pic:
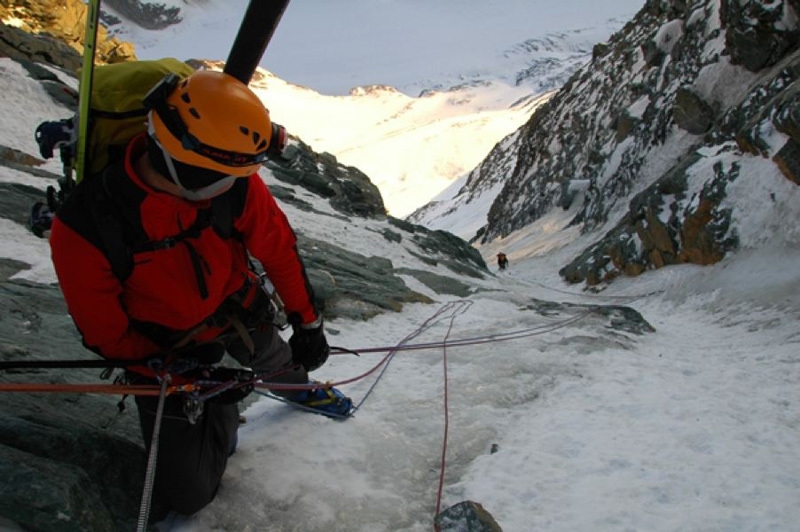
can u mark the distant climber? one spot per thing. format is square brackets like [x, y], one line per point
[502, 261]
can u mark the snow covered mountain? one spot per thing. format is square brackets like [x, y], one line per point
[667, 402]
[654, 145]
[415, 94]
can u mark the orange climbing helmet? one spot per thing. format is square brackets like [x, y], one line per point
[210, 120]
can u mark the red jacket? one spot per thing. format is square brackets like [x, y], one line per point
[162, 289]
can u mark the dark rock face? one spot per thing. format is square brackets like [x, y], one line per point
[466, 516]
[57, 20]
[22, 46]
[462, 259]
[351, 285]
[757, 35]
[148, 15]
[16, 201]
[692, 113]
[349, 189]
[61, 468]
[787, 121]
[664, 226]
[648, 84]
[618, 318]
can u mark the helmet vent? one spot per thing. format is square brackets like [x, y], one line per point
[244, 130]
[256, 137]
[185, 97]
[194, 113]
[262, 145]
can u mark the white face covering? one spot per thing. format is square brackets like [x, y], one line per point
[199, 194]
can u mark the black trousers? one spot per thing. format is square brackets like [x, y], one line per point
[192, 457]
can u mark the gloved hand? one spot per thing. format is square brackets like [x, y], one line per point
[309, 347]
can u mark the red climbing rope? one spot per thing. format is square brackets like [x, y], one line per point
[446, 394]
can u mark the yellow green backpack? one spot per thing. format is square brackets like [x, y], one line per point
[116, 115]
[116, 112]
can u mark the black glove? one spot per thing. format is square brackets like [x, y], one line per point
[309, 346]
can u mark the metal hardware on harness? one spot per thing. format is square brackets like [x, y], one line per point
[192, 407]
[278, 310]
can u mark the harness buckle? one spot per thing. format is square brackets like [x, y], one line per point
[192, 407]
[167, 243]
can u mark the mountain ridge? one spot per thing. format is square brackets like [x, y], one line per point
[653, 132]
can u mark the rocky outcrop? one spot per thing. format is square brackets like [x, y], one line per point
[787, 121]
[45, 437]
[53, 21]
[348, 188]
[664, 109]
[351, 285]
[466, 515]
[148, 15]
[23, 46]
[691, 112]
[758, 34]
[666, 224]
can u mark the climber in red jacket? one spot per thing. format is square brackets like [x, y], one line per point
[152, 258]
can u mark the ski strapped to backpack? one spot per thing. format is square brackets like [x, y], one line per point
[86, 84]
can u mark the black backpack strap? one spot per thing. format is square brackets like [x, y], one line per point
[227, 207]
[110, 229]
[222, 216]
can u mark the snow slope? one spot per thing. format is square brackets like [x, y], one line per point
[691, 427]
[410, 147]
